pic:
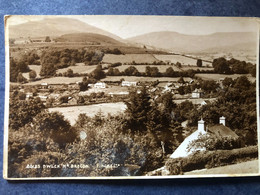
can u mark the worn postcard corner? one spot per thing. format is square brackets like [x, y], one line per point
[118, 97]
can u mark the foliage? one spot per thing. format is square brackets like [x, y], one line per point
[16, 67]
[137, 110]
[98, 73]
[213, 142]
[221, 66]
[22, 112]
[199, 63]
[32, 75]
[47, 39]
[21, 78]
[210, 159]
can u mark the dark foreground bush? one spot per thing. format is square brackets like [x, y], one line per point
[210, 159]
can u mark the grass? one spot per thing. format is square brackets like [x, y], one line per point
[240, 168]
[184, 68]
[56, 80]
[177, 58]
[141, 68]
[36, 68]
[71, 113]
[78, 68]
[143, 79]
[129, 58]
[216, 77]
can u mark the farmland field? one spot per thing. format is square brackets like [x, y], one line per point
[36, 68]
[184, 68]
[72, 113]
[241, 168]
[178, 58]
[78, 68]
[141, 68]
[216, 77]
[56, 80]
[144, 79]
[129, 58]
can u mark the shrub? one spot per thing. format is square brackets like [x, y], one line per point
[210, 159]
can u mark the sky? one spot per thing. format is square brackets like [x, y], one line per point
[130, 26]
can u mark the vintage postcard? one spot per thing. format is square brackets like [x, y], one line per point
[117, 97]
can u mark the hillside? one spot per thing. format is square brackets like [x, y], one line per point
[177, 42]
[53, 27]
[91, 38]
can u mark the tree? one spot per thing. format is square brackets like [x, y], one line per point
[181, 80]
[21, 112]
[199, 63]
[47, 39]
[21, 78]
[178, 64]
[98, 73]
[32, 75]
[131, 71]
[221, 66]
[242, 83]
[47, 70]
[169, 72]
[80, 100]
[70, 73]
[137, 110]
[54, 124]
[227, 82]
[83, 86]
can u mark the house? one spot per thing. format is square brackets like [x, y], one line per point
[219, 130]
[128, 84]
[44, 85]
[100, 85]
[197, 93]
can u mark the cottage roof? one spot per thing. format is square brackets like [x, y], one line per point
[197, 91]
[222, 131]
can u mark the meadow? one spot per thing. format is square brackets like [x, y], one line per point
[129, 58]
[71, 113]
[143, 79]
[217, 77]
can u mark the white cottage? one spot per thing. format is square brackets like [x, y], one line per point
[219, 130]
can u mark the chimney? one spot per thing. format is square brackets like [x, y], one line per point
[222, 120]
[201, 126]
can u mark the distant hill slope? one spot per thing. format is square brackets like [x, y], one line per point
[54, 27]
[196, 43]
[91, 38]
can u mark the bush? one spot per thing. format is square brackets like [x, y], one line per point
[210, 159]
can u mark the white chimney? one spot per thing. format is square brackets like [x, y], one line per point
[201, 126]
[222, 120]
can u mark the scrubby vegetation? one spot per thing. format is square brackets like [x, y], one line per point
[210, 159]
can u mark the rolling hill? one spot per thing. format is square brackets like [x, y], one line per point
[177, 42]
[91, 38]
[54, 27]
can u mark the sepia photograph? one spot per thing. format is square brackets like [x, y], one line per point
[130, 96]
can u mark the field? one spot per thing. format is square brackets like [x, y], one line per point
[129, 58]
[143, 79]
[248, 167]
[36, 68]
[217, 77]
[72, 113]
[141, 68]
[178, 58]
[248, 56]
[184, 68]
[78, 68]
[57, 80]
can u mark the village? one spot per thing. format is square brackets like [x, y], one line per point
[124, 109]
